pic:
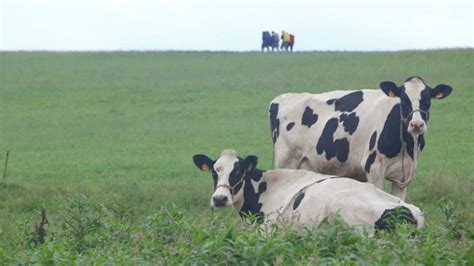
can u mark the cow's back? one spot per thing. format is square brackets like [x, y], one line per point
[358, 203]
[310, 199]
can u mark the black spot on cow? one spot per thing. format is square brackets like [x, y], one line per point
[389, 141]
[274, 121]
[298, 200]
[214, 178]
[334, 148]
[391, 217]
[330, 101]
[425, 103]
[421, 142]
[262, 187]
[250, 205]
[406, 105]
[342, 117]
[236, 174]
[290, 126]
[349, 122]
[309, 118]
[373, 138]
[255, 175]
[370, 161]
[237, 188]
[408, 138]
[349, 102]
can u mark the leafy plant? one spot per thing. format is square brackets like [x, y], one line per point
[456, 227]
[80, 221]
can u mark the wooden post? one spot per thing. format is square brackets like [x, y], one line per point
[6, 165]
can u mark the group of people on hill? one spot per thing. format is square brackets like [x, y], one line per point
[272, 40]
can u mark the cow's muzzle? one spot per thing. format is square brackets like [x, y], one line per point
[417, 127]
[220, 201]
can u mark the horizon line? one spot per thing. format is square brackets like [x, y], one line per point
[223, 51]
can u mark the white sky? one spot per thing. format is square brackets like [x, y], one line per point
[234, 24]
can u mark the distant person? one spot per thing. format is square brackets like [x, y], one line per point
[284, 40]
[292, 41]
[288, 40]
[276, 41]
[270, 40]
[266, 40]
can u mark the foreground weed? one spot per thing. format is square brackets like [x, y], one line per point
[167, 224]
[456, 227]
[38, 235]
[80, 222]
[121, 208]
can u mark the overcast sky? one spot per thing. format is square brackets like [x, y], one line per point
[234, 24]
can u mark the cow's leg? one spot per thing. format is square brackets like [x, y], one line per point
[286, 158]
[375, 177]
[397, 191]
[374, 169]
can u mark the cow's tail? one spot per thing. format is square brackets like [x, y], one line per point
[399, 215]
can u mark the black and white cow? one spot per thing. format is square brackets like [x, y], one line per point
[299, 197]
[369, 135]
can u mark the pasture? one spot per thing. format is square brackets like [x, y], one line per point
[104, 143]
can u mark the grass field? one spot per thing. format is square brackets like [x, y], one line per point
[103, 142]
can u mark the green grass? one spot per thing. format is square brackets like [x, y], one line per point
[120, 129]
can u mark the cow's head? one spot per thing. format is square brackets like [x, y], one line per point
[415, 101]
[228, 172]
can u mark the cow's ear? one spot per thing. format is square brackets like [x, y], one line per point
[441, 91]
[250, 163]
[203, 162]
[390, 89]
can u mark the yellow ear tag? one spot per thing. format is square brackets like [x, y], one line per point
[205, 167]
[439, 95]
[391, 94]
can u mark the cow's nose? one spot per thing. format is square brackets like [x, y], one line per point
[220, 200]
[417, 126]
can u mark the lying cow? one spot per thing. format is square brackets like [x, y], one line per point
[299, 197]
[369, 135]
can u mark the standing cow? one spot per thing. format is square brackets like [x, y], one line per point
[369, 135]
